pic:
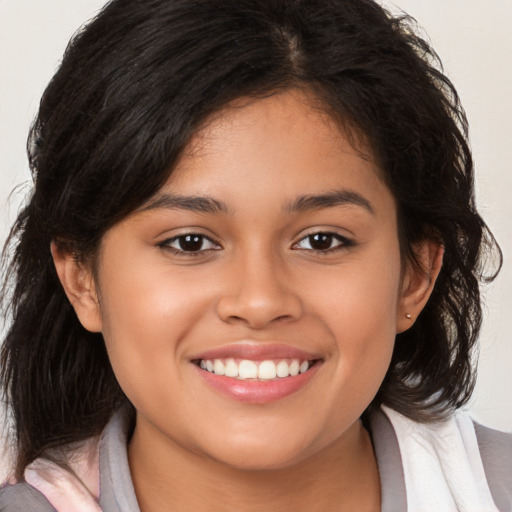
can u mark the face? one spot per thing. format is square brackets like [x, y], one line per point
[271, 253]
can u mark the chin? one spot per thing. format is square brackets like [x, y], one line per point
[260, 456]
[258, 462]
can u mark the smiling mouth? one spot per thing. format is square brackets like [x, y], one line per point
[246, 369]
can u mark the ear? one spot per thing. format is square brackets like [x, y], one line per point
[78, 283]
[418, 282]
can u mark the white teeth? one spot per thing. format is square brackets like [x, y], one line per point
[267, 370]
[294, 368]
[282, 369]
[247, 369]
[231, 369]
[304, 367]
[218, 367]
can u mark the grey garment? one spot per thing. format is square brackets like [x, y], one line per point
[118, 495]
[392, 481]
[496, 451]
[116, 486]
[23, 498]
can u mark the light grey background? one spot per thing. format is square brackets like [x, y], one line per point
[474, 40]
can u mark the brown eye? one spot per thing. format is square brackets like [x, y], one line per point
[320, 241]
[323, 242]
[189, 243]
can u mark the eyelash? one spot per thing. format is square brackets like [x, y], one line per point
[343, 243]
[166, 244]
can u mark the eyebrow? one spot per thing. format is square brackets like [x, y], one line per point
[203, 204]
[329, 200]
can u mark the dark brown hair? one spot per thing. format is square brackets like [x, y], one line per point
[135, 84]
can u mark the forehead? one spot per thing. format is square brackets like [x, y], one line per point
[291, 109]
[270, 152]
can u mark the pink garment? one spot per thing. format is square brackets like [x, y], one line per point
[74, 490]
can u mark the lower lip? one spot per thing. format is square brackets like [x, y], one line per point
[258, 391]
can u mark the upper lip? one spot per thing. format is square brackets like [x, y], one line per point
[256, 351]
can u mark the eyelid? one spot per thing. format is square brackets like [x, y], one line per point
[345, 242]
[166, 244]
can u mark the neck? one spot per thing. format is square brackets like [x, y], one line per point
[167, 477]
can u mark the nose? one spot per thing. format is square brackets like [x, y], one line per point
[259, 293]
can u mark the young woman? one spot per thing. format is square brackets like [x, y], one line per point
[248, 275]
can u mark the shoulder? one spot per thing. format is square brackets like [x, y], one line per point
[495, 446]
[22, 497]
[496, 452]
[471, 462]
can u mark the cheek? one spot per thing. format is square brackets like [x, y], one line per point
[146, 297]
[358, 305]
[145, 318]
[359, 300]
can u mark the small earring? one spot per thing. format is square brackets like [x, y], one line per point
[408, 315]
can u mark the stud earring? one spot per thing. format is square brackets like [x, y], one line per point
[408, 315]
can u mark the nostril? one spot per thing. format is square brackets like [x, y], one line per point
[259, 310]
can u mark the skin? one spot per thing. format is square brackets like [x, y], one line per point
[255, 278]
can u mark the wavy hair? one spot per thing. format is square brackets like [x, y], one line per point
[135, 84]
